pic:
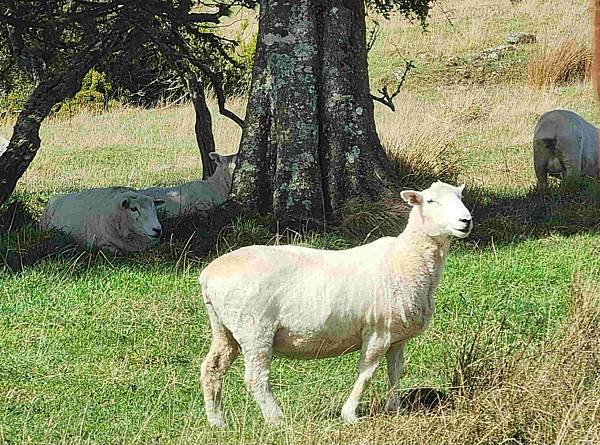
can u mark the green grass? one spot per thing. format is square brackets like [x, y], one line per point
[102, 350]
[108, 352]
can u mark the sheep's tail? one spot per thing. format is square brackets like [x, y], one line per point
[546, 145]
[218, 328]
[204, 287]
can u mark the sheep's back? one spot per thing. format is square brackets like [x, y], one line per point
[80, 214]
[308, 292]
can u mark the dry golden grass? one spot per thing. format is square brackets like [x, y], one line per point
[569, 62]
[126, 146]
[482, 134]
[477, 134]
[461, 28]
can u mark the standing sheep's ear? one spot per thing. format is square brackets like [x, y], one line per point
[461, 188]
[159, 203]
[412, 197]
[125, 203]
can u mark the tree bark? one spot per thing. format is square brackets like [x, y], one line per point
[25, 140]
[203, 125]
[310, 144]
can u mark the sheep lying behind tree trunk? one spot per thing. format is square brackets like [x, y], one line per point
[197, 196]
[306, 303]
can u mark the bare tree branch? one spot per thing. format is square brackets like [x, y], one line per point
[373, 34]
[385, 98]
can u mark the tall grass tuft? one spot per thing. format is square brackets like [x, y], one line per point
[363, 222]
[426, 159]
[569, 62]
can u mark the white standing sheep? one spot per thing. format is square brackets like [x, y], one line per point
[307, 303]
[114, 219]
[197, 196]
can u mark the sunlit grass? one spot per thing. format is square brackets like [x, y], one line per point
[104, 350]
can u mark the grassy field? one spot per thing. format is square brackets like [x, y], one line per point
[106, 350]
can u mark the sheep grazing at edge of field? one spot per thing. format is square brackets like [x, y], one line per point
[565, 145]
[304, 303]
[115, 219]
[197, 196]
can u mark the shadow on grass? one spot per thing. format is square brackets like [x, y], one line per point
[567, 210]
[499, 219]
[423, 400]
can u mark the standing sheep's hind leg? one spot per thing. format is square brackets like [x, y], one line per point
[257, 361]
[372, 351]
[395, 368]
[541, 154]
[223, 352]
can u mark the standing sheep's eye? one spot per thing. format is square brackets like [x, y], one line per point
[134, 209]
[431, 201]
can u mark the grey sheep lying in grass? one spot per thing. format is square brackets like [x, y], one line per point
[565, 145]
[305, 303]
[115, 219]
[196, 196]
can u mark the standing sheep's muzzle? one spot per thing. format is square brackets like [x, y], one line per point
[466, 229]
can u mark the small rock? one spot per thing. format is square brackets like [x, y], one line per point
[497, 52]
[518, 38]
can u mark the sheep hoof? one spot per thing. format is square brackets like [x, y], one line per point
[274, 420]
[218, 421]
[349, 416]
[352, 420]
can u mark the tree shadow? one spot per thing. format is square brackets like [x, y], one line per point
[566, 210]
[499, 219]
[23, 244]
[422, 400]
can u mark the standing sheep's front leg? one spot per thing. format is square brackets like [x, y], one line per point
[257, 360]
[395, 368]
[372, 351]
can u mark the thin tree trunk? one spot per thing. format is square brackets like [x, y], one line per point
[310, 145]
[203, 125]
[25, 140]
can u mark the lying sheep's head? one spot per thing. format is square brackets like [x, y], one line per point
[138, 217]
[225, 163]
[441, 209]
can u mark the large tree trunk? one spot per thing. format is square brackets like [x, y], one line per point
[25, 140]
[310, 143]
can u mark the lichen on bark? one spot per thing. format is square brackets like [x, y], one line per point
[310, 142]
